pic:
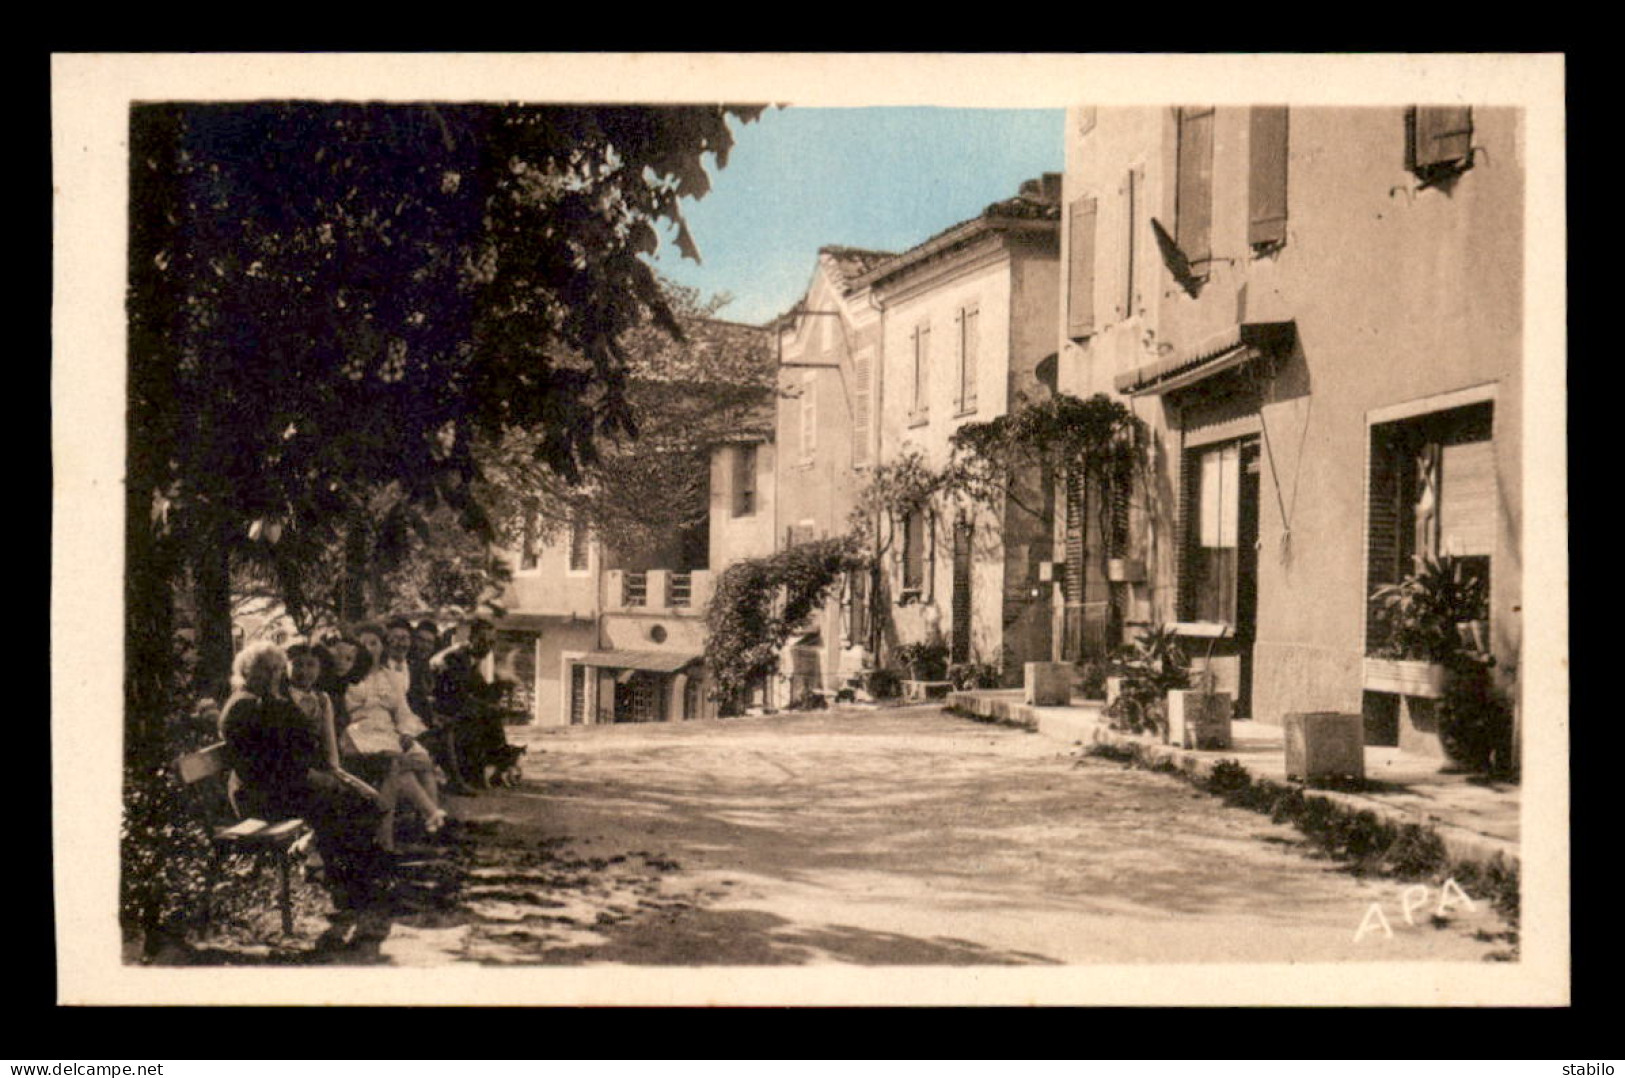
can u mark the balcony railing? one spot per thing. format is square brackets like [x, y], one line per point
[635, 589]
[681, 589]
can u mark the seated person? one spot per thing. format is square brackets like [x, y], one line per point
[284, 772]
[381, 725]
[467, 700]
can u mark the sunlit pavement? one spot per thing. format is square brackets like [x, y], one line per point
[904, 837]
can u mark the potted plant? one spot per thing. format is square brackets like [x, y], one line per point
[1145, 673]
[1199, 717]
[924, 661]
[1434, 626]
[1422, 622]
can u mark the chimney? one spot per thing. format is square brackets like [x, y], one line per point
[1046, 189]
[1052, 188]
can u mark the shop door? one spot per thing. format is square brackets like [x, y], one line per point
[1247, 572]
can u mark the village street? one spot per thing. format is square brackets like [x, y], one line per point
[894, 837]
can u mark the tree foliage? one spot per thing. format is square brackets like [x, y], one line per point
[685, 396]
[759, 603]
[327, 300]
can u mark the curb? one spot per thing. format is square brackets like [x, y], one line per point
[1460, 843]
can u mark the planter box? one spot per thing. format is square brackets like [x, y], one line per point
[1125, 570]
[1324, 744]
[1404, 676]
[1199, 720]
[1047, 684]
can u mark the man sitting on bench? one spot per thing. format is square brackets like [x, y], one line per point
[467, 699]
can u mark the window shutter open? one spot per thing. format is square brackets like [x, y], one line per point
[972, 349]
[1439, 136]
[1193, 207]
[1267, 168]
[1080, 305]
[959, 373]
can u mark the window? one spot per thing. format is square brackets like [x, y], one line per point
[968, 322]
[1432, 492]
[1193, 192]
[1215, 501]
[809, 417]
[914, 526]
[1438, 142]
[579, 548]
[855, 609]
[528, 557]
[1266, 178]
[863, 368]
[1080, 284]
[920, 405]
[744, 480]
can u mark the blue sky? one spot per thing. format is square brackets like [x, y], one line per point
[882, 178]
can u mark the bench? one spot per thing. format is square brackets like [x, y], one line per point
[207, 775]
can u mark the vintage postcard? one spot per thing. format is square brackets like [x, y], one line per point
[671, 529]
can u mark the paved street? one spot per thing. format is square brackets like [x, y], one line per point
[902, 837]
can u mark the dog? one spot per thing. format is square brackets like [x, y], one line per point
[505, 766]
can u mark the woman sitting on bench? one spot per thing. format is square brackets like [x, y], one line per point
[381, 725]
[284, 770]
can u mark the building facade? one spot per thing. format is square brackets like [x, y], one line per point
[969, 320]
[1318, 313]
[829, 360]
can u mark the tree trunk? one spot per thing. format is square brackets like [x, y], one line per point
[211, 581]
[153, 328]
[353, 589]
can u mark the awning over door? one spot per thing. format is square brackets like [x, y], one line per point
[656, 662]
[1243, 344]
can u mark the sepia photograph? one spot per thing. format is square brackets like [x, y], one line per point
[688, 529]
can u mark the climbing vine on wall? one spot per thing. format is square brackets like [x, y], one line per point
[759, 603]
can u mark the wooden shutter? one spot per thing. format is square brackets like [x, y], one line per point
[1190, 529]
[1467, 500]
[959, 639]
[1267, 174]
[527, 553]
[1131, 194]
[970, 345]
[1080, 302]
[1386, 522]
[922, 367]
[1438, 136]
[862, 367]
[744, 480]
[1193, 207]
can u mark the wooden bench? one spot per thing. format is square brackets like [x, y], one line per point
[207, 774]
